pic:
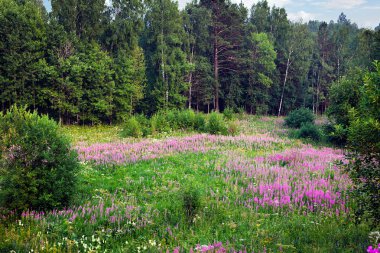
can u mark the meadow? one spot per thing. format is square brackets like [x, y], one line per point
[258, 191]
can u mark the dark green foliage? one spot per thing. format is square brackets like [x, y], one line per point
[132, 128]
[166, 61]
[38, 166]
[364, 135]
[296, 118]
[309, 131]
[130, 80]
[22, 45]
[364, 170]
[200, 122]
[89, 62]
[344, 95]
[216, 124]
[191, 203]
[335, 134]
[364, 145]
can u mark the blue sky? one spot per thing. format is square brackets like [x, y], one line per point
[365, 13]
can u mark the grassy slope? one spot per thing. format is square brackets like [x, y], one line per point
[157, 188]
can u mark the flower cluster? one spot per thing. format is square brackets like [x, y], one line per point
[124, 153]
[304, 179]
[371, 249]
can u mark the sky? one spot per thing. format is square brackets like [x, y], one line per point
[365, 13]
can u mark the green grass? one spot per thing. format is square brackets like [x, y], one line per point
[158, 188]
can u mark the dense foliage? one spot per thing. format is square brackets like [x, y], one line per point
[364, 141]
[357, 117]
[182, 120]
[309, 131]
[37, 166]
[299, 117]
[101, 62]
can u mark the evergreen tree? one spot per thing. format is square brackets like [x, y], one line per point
[22, 49]
[167, 65]
[130, 81]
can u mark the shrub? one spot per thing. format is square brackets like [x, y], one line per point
[200, 122]
[132, 128]
[298, 117]
[309, 131]
[144, 124]
[358, 107]
[364, 169]
[185, 119]
[172, 118]
[336, 134]
[216, 124]
[159, 123]
[38, 167]
[228, 113]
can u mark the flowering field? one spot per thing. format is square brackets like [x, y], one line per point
[256, 192]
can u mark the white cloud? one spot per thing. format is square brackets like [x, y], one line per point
[278, 3]
[301, 16]
[340, 4]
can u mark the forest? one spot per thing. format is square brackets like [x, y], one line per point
[88, 62]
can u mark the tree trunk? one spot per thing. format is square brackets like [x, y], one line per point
[317, 95]
[163, 64]
[216, 71]
[191, 76]
[283, 86]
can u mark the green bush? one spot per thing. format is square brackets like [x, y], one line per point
[364, 169]
[172, 118]
[38, 166]
[200, 122]
[357, 107]
[335, 134]
[299, 117]
[159, 123]
[228, 113]
[144, 124]
[186, 119]
[216, 124]
[132, 128]
[309, 131]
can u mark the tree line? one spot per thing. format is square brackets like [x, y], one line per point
[92, 62]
